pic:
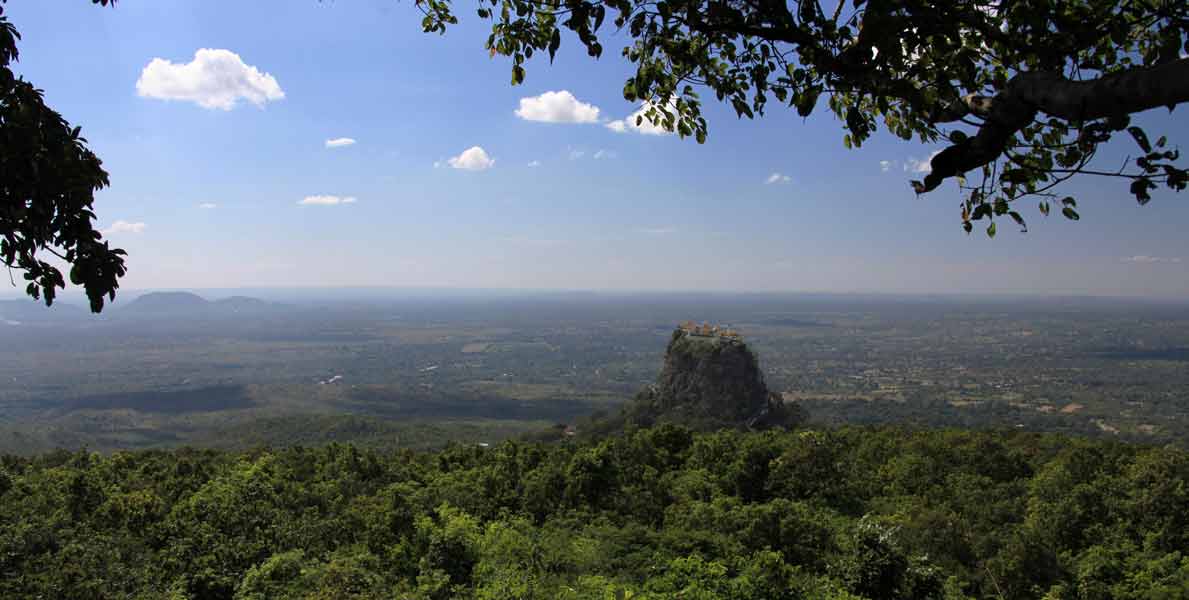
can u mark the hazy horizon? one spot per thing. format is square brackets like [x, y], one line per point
[301, 294]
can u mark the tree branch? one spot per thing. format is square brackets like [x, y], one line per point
[1026, 94]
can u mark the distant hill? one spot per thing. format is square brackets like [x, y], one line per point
[243, 304]
[151, 305]
[27, 310]
[156, 303]
[186, 304]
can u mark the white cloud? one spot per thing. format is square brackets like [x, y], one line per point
[576, 154]
[1145, 259]
[534, 164]
[214, 79]
[657, 230]
[778, 178]
[886, 165]
[340, 142]
[326, 200]
[912, 165]
[557, 107]
[208, 205]
[601, 154]
[646, 127]
[124, 227]
[472, 159]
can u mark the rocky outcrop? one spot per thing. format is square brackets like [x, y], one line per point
[710, 382]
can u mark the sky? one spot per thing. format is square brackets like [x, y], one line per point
[300, 143]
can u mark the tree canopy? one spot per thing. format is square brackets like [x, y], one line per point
[47, 188]
[1024, 91]
[658, 514]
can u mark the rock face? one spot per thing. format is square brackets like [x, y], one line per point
[710, 382]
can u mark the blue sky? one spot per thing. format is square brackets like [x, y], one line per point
[206, 197]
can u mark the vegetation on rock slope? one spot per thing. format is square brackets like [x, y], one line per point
[710, 382]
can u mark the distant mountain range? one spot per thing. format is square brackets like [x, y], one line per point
[150, 305]
[159, 304]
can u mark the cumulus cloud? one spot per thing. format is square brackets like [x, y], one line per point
[326, 200]
[215, 79]
[534, 164]
[601, 154]
[646, 127]
[124, 227]
[1147, 260]
[557, 107]
[886, 165]
[340, 142]
[471, 159]
[208, 205]
[912, 165]
[576, 154]
[778, 178]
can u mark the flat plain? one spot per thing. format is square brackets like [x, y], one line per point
[420, 372]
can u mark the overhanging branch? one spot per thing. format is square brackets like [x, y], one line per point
[1053, 94]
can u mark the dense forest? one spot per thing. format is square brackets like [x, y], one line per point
[651, 513]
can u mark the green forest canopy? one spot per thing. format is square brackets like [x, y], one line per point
[1023, 91]
[652, 514]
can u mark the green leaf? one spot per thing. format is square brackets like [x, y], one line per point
[807, 100]
[1070, 213]
[991, 230]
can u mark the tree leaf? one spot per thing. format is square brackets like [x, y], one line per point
[1018, 219]
[554, 43]
[1141, 138]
